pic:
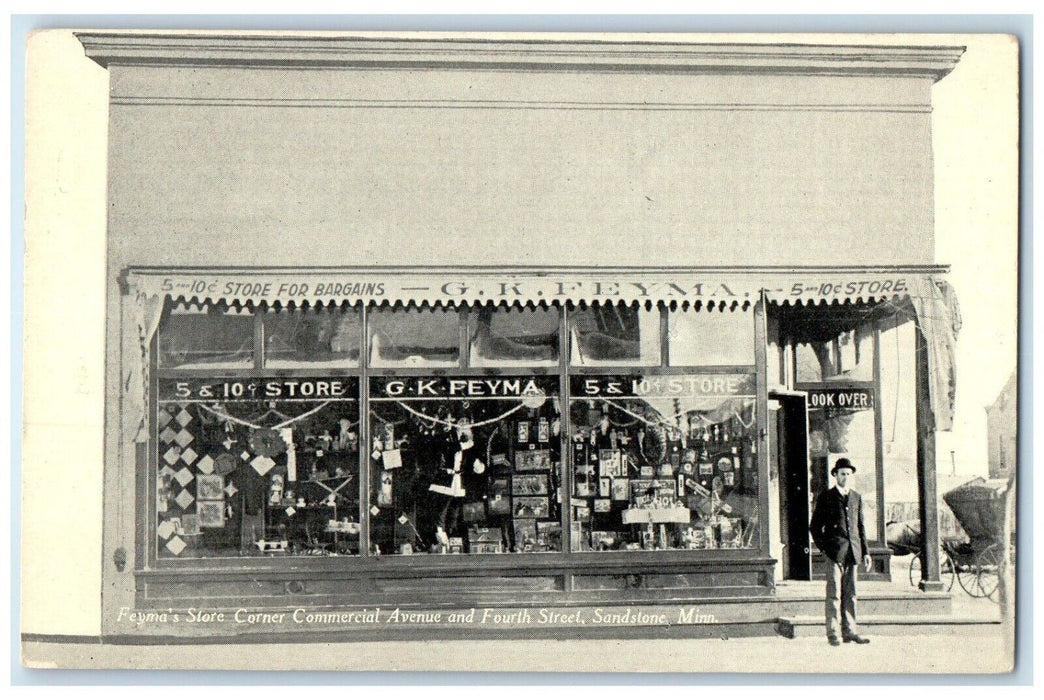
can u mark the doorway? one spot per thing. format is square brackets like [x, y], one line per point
[792, 457]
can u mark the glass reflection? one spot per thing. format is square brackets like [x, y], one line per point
[197, 337]
[613, 334]
[414, 337]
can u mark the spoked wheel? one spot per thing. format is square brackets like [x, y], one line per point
[988, 564]
[968, 577]
[947, 571]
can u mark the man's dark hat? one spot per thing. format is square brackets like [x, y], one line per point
[842, 463]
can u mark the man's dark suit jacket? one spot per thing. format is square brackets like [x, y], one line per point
[838, 531]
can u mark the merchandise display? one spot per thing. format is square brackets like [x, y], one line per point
[664, 462]
[475, 469]
[257, 467]
[268, 463]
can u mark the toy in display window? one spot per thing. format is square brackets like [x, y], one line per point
[664, 474]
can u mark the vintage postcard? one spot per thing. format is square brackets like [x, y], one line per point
[522, 341]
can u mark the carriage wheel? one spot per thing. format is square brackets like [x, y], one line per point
[968, 577]
[915, 569]
[988, 564]
[947, 571]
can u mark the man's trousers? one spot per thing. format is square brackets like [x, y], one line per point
[841, 600]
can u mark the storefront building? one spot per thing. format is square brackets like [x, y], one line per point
[408, 331]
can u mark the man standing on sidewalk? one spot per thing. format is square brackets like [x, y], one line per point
[837, 529]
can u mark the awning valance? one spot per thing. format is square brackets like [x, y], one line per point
[524, 286]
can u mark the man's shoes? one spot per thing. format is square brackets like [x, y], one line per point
[855, 638]
[834, 641]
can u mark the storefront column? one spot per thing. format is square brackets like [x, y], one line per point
[926, 487]
[761, 417]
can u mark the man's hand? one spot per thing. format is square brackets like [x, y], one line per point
[867, 562]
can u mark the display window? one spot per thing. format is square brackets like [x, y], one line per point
[513, 337]
[664, 462]
[247, 462]
[257, 466]
[414, 337]
[607, 335]
[267, 454]
[197, 336]
[465, 465]
[312, 338]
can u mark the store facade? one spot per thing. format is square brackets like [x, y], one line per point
[431, 328]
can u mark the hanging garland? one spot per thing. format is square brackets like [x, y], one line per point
[450, 424]
[285, 424]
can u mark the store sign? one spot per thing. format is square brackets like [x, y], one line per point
[581, 285]
[463, 387]
[663, 386]
[259, 389]
[841, 399]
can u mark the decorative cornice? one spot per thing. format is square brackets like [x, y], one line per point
[530, 54]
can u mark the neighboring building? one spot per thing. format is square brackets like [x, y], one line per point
[1002, 430]
[447, 325]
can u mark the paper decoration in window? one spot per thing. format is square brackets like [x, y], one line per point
[165, 529]
[163, 418]
[206, 465]
[183, 418]
[189, 456]
[244, 455]
[168, 435]
[267, 443]
[262, 465]
[225, 464]
[176, 545]
[184, 499]
[172, 455]
[392, 459]
[228, 442]
[231, 489]
[184, 476]
[183, 438]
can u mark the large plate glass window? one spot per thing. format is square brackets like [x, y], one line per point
[197, 336]
[513, 337]
[248, 463]
[664, 461]
[614, 335]
[312, 338]
[414, 337]
[257, 466]
[465, 465]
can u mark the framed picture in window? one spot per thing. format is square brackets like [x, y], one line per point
[529, 484]
[532, 460]
[530, 507]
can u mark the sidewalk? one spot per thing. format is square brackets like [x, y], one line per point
[891, 654]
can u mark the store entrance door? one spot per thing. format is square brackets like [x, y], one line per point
[792, 446]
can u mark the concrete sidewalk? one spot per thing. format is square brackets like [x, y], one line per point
[892, 654]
